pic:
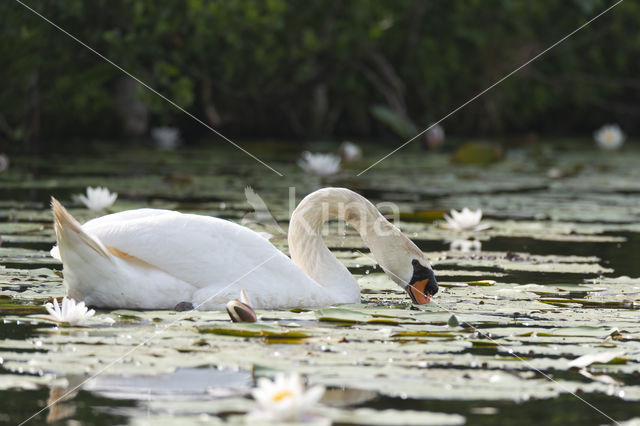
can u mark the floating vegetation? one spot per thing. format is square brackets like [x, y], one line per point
[548, 307]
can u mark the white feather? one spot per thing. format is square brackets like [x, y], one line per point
[155, 259]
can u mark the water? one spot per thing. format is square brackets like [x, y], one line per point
[200, 368]
[183, 384]
[85, 407]
[563, 410]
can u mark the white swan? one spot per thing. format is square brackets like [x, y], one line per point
[156, 259]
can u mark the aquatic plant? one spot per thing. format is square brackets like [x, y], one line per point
[70, 312]
[98, 198]
[240, 310]
[4, 162]
[465, 220]
[166, 138]
[435, 137]
[609, 137]
[285, 399]
[349, 151]
[319, 164]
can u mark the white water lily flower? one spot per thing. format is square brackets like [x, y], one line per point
[465, 246]
[319, 164]
[609, 137]
[555, 173]
[465, 220]
[97, 198]
[435, 136]
[4, 162]
[166, 138]
[71, 312]
[285, 399]
[349, 151]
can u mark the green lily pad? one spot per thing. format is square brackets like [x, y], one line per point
[254, 330]
[342, 315]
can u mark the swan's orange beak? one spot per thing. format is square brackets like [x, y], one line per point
[419, 293]
[423, 284]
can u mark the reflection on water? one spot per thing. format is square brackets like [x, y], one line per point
[85, 407]
[59, 408]
[622, 257]
[184, 383]
[109, 398]
[560, 411]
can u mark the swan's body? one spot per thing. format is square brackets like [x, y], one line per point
[155, 259]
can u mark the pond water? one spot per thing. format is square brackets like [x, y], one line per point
[557, 277]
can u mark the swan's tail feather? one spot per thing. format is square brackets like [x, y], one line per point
[70, 233]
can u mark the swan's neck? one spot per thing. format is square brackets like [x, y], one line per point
[309, 251]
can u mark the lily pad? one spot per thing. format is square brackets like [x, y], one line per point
[255, 330]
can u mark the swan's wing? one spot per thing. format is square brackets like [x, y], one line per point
[111, 219]
[197, 249]
[127, 215]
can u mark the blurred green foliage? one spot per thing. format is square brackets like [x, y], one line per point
[318, 68]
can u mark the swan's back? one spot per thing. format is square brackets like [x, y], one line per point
[194, 248]
[213, 257]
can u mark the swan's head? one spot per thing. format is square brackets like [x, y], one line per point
[396, 254]
[408, 267]
[422, 284]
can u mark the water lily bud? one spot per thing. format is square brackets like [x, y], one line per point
[453, 321]
[241, 312]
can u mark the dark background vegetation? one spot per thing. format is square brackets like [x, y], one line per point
[314, 69]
